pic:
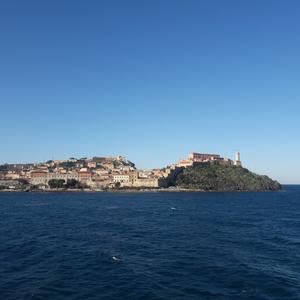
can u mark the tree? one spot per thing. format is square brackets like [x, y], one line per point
[56, 183]
[72, 184]
[218, 177]
[67, 164]
[4, 167]
[23, 181]
[117, 185]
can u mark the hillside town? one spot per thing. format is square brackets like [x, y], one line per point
[98, 173]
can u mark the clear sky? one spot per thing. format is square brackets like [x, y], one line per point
[152, 80]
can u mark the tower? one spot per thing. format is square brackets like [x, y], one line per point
[237, 161]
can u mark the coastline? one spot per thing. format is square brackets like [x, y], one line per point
[198, 173]
[102, 191]
[146, 190]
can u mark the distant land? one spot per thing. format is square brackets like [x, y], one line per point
[199, 172]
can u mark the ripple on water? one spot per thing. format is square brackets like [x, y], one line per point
[150, 246]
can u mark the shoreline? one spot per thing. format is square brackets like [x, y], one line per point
[147, 190]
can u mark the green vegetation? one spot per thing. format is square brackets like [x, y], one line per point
[4, 168]
[34, 187]
[56, 183]
[73, 184]
[217, 177]
[23, 181]
[70, 184]
[117, 185]
[130, 163]
[117, 163]
[2, 187]
[67, 165]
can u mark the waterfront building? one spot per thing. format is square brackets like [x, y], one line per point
[84, 176]
[122, 178]
[12, 175]
[10, 183]
[42, 177]
[150, 183]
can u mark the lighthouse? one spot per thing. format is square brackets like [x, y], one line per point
[237, 161]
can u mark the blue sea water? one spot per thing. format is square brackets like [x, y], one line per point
[150, 245]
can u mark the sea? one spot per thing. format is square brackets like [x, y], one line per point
[152, 245]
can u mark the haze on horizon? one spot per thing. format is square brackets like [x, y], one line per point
[152, 81]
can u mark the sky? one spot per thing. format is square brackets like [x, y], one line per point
[152, 81]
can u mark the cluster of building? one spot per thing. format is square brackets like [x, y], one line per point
[196, 158]
[100, 172]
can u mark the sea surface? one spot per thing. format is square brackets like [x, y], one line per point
[150, 245]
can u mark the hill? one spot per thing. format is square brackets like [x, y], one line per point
[217, 177]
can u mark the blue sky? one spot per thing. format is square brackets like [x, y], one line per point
[152, 80]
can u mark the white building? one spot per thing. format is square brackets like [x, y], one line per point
[44, 178]
[121, 178]
[237, 161]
